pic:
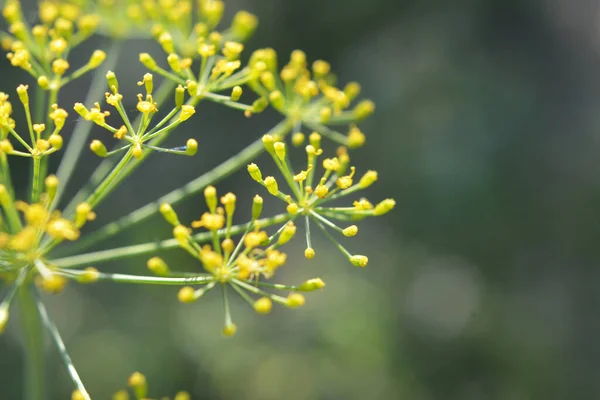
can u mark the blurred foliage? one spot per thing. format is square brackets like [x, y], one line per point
[483, 282]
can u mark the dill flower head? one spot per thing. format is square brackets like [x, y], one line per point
[141, 136]
[42, 49]
[310, 195]
[244, 266]
[178, 25]
[138, 385]
[309, 97]
[40, 140]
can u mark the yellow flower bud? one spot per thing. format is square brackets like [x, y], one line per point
[52, 284]
[90, 275]
[182, 234]
[60, 66]
[229, 329]
[83, 213]
[137, 151]
[295, 300]
[312, 284]
[320, 68]
[56, 141]
[147, 60]
[364, 109]
[277, 99]
[350, 231]
[97, 58]
[210, 195]
[236, 93]
[298, 139]
[279, 148]
[43, 82]
[309, 253]
[6, 146]
[191, 147]
[243, 25]
[158, 266]
[359, 261]
[325, 114]
[384, 206]
[287, 234]
[186, 294]
[173, 60]
[169, 214]
[98, 148]
[355, 138]
[367, 179]
[257, 204]
[254, 172]
[271, 185]
[186, 112]
[292, 208]
[139, 384]
[263, 305]
[229, 202]
[23, 94]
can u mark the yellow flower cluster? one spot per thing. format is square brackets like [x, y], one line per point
[308, 96]
[138, 385]
[43, 140]
[139, 136]
[240, 266]
[42, 50]
[310, 195]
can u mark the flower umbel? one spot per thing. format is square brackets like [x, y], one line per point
[310, 195]
[242, 266]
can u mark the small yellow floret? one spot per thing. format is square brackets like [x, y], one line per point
[263, 305]
[295, 300]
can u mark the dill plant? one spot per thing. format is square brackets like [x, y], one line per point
[201, 63]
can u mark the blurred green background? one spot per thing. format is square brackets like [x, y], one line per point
[482, 283]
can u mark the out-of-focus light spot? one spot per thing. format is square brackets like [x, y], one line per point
[443, 298]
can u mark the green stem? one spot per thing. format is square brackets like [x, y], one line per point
[109, 182]
[32, 327]
[83, 128]
[36, 184]
[62, 350]
[145, 248]
[147, 280]
[221, 171]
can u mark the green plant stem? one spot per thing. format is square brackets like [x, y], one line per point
[83, 128]
[146, 248]
[36, 180]
[62, 350]
[109, 182]
[219, 172]
[149, 280]
[32, 327]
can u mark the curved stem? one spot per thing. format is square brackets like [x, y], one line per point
[219, 172]
[32, 327]
[62, 350]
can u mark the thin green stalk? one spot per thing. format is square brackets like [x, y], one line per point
[220, 172]
[109, 182]
[36, 180]
[147, 280]
[62, 350]
[146, 248]
[31, 325]
[83, 128]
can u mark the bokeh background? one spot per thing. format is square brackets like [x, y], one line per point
[482, 283]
